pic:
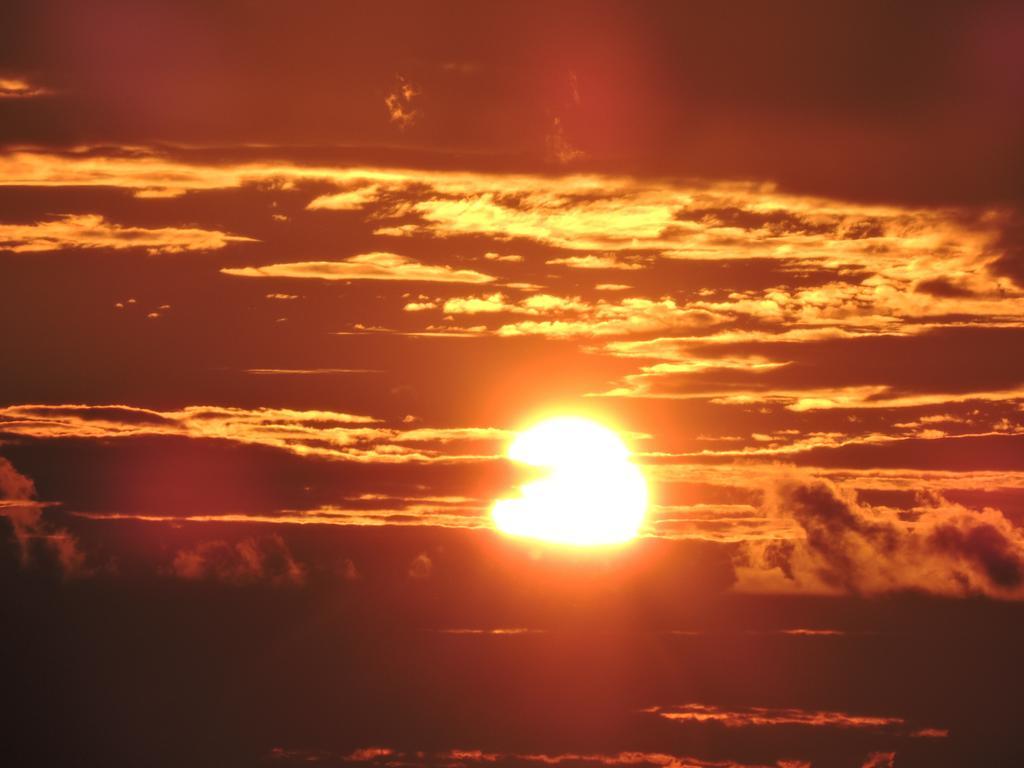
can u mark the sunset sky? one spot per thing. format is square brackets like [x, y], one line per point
[280, 284]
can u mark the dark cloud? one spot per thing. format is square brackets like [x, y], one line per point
[36, 537]
[984, 546]
[842, 544]
[248, 561]
[420, 567]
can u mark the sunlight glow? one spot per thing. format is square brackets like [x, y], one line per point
[591, 495]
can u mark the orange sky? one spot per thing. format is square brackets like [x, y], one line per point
[279, 284]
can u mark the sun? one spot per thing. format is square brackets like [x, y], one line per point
[592, 494]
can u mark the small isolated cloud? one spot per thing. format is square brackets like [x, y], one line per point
[249, 561]
[399, 103]
[421, 567]
[511, 257]
[366, 266]
[93, 231]
[472, 305]
[612, 287]
[352, 199]
[350, 571]
[880, 760]
[559, 148]
[20, 88]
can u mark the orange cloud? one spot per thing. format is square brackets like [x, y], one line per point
[460, 758]
[590, 261]
[764, 716]
[20, 88]
[757, 475]
[649, 384]
[410, 512]
[399, 103]
[847, 546]
[366, 266]
[327, 434]
[604, 318]
[93, 231]
[353, 199]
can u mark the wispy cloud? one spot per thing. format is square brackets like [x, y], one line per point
[765, 716]
[590, 261]
[460, 758]
[93, 231]
[366, 266]
[327, 434]
[21, 88]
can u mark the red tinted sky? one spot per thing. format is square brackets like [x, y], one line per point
[279, 283]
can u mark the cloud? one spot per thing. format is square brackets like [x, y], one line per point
[93, 231]
[885, 258]
[755, 476]
[20, 88]
[880, 760]
[574, 317]
[461, 758]
[695, 364]
[473, 305]
[327, 434]
[419, 306]
[399, 103]
[366, 266]
[604, 318]
[682, 347]
[515, 258]
[590, 261]
[663, 381]
[248, 561]
[559, 149]
[457, 513]
[868, 396]
[421, 567]
[766, 716]
[790, 442]
[359, 196]
[883, 301]
[846, 546]
[32, 533]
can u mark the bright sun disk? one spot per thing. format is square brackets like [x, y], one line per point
[592, 494]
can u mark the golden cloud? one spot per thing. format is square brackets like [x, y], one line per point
[20, 88]
[327, 434]
[366, 266]
[93, 231]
